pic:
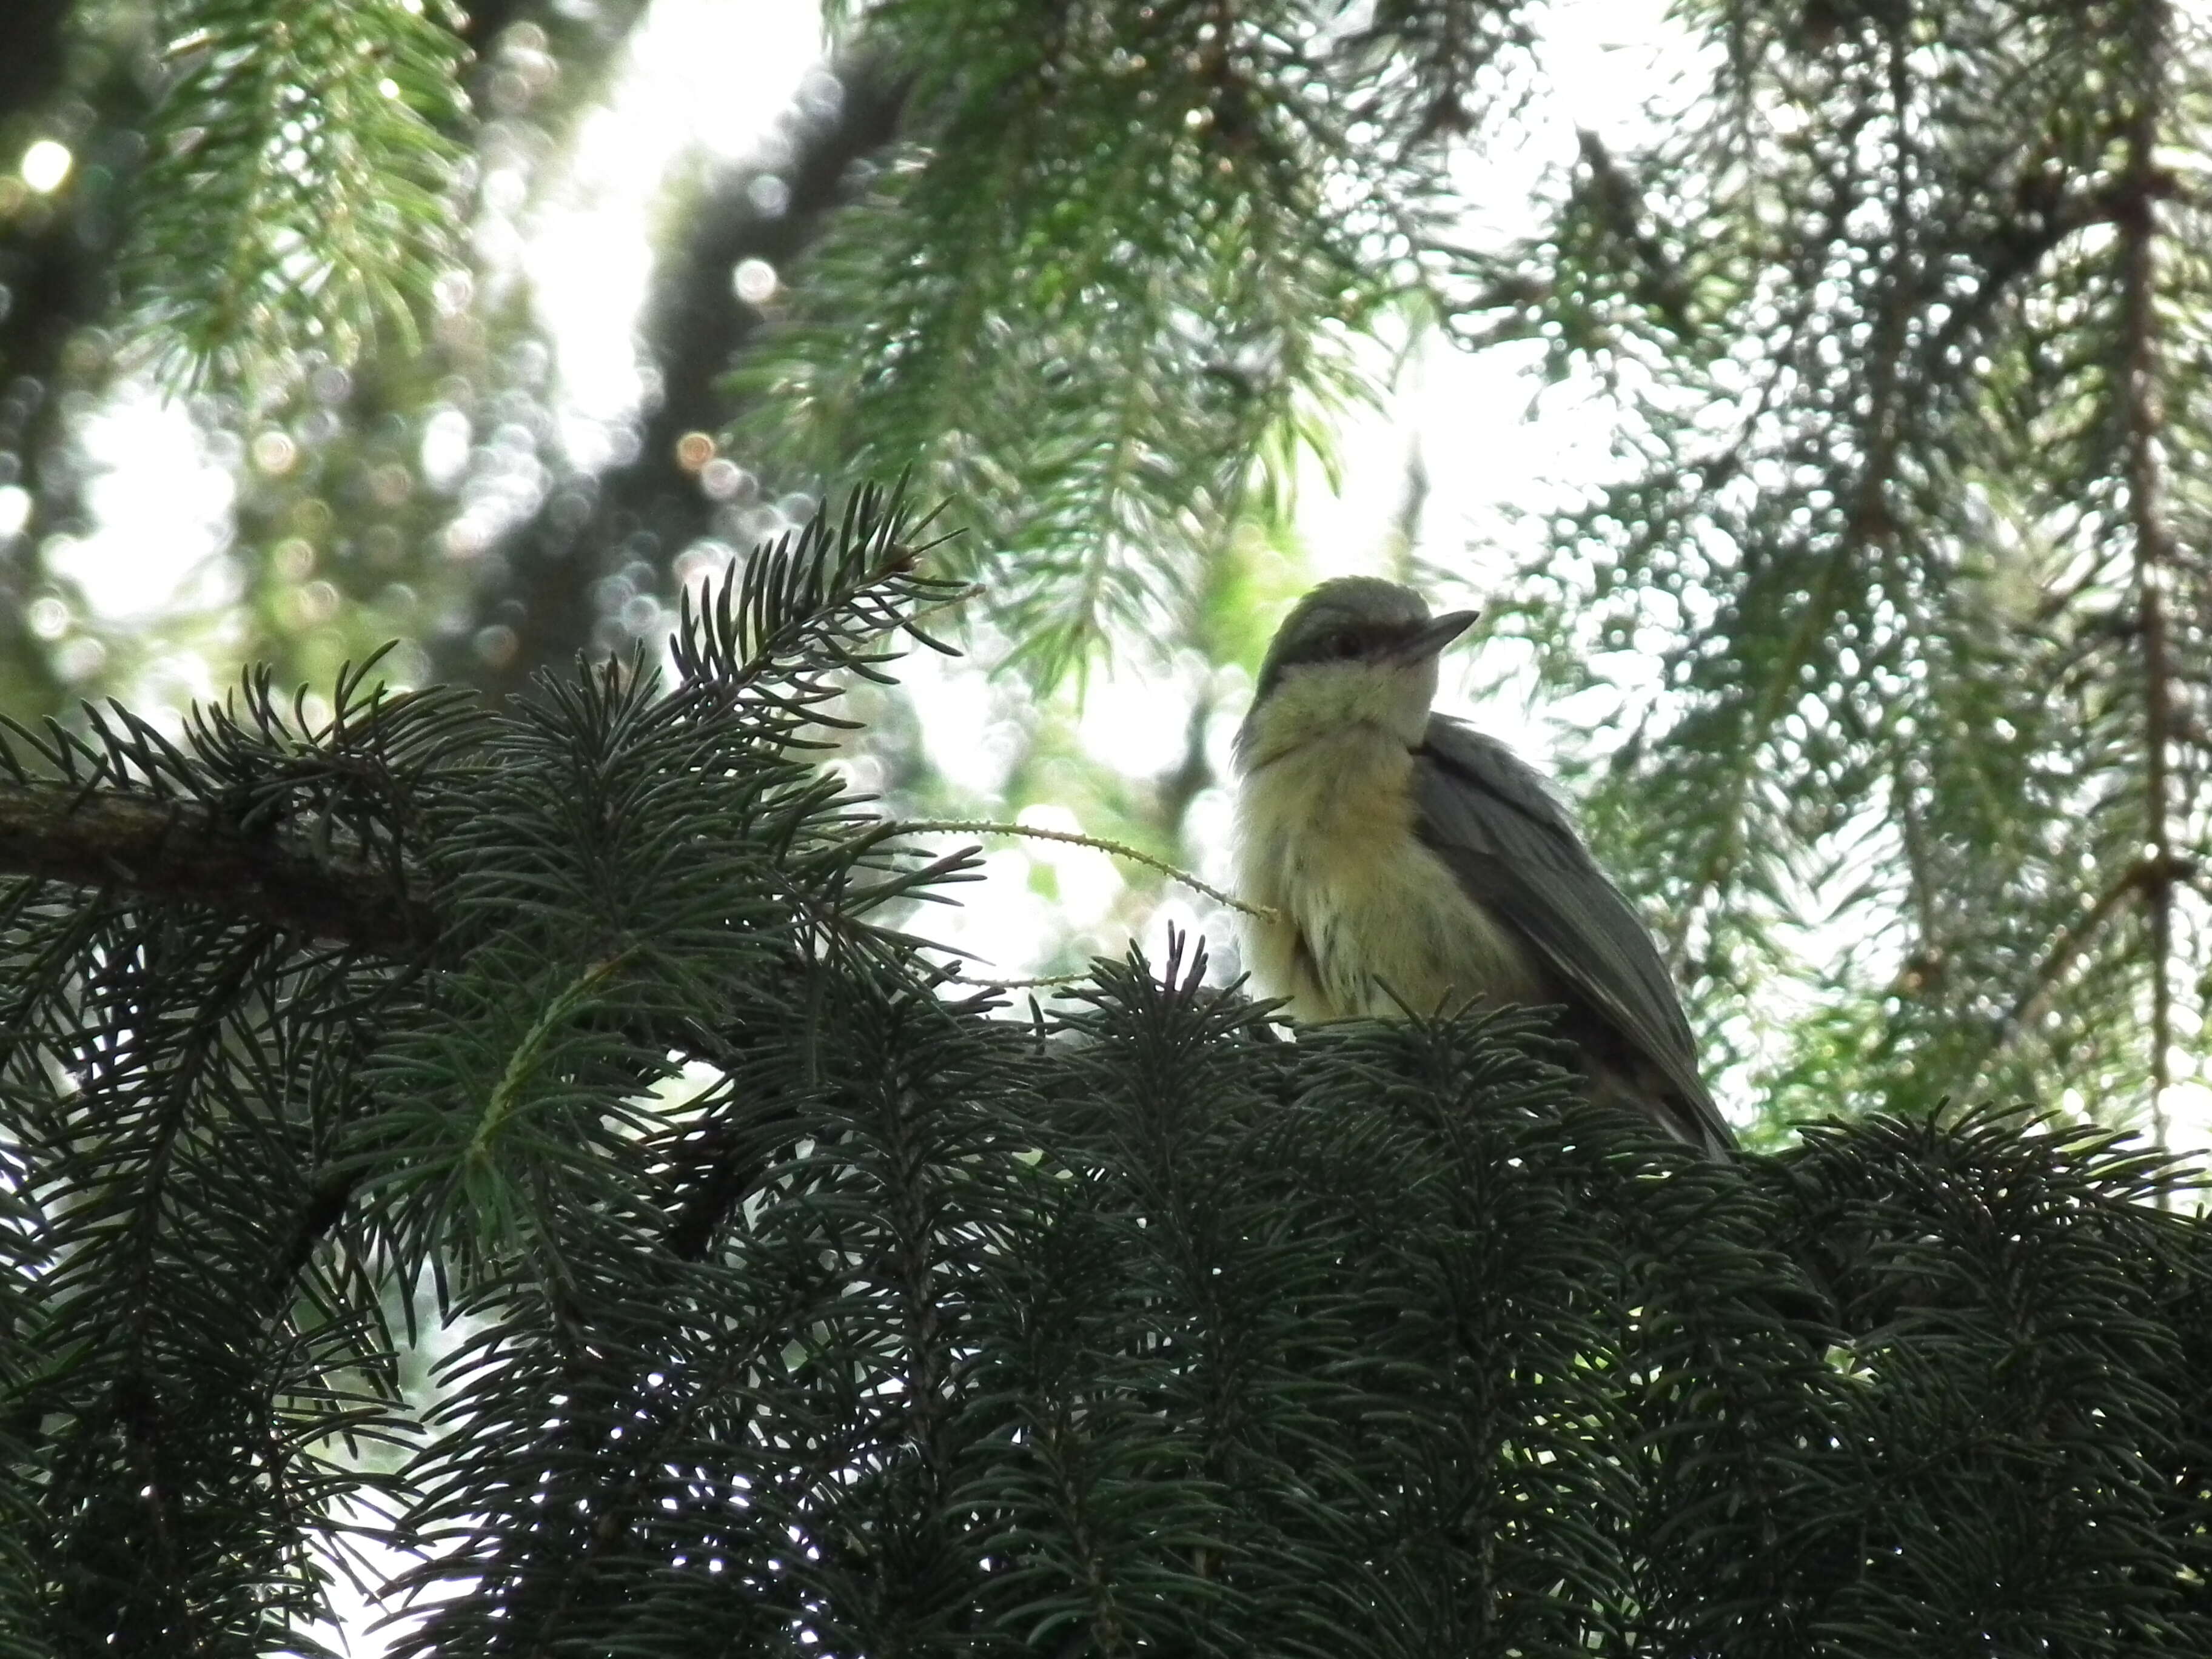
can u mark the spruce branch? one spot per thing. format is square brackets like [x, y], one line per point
[523, 1062]
[1941, 554]
[1618, 202]
[169, 851]
[298, 198]
[1099, 328]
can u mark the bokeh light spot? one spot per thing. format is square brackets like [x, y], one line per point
[45, 164]
[295, 558]
[49, 618]
[453, 291]
[755, 281]
[495, 646]
[466, 537]
[390, 484]
[80, 658]
[275, 452]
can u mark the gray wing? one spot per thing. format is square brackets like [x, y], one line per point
[1488, 815]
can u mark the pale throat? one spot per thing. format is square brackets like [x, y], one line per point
[1333, 704]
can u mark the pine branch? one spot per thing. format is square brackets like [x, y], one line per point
[1096, 329]
[298, 198]
[171, 852]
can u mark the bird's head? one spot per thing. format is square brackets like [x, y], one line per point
[1354, 651]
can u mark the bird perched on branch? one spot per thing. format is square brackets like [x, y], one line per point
[1411, 862]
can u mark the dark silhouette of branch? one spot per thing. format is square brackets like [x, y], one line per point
[321, 1208]
[2143, 434]
[651, 508]
[2152, 875]
[31, 33]
[180, 853]
[488, 18]
[2020, 246]
[1619, 202]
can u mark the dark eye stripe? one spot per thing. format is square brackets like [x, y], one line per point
[1343, 643]
[1334, 647]
[1346, 642]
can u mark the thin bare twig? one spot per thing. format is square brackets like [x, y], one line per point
[981, 827]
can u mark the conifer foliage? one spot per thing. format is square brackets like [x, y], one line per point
[782, 1302]
[1904, 584]
[1122, 256]
[296, 196]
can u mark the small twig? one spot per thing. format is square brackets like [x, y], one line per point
[980, 984]
[979, 827]
[522, 1064]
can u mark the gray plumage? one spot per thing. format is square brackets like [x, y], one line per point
[1486, 813]
[1411, 857]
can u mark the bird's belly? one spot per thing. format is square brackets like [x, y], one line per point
[1368, 921]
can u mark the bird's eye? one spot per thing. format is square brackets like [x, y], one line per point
[1343, 643]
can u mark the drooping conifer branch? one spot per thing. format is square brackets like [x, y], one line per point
[2142, 418]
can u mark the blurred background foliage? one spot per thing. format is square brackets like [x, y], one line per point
[1852, 561]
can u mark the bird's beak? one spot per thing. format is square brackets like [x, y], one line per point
[1435, 636]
